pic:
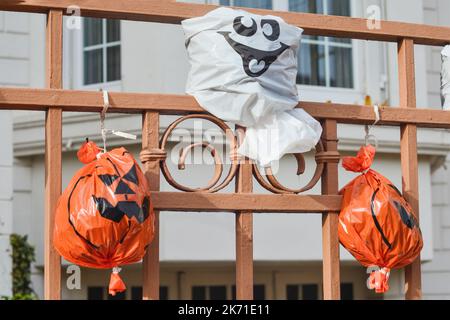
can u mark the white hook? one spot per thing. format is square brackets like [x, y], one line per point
[367, 128]
[103, 116]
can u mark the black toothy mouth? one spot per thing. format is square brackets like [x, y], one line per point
[263, 59]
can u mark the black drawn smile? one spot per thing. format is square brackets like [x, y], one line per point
[249, 54]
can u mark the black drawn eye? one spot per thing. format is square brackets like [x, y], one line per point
[271, 29]
[243, 30]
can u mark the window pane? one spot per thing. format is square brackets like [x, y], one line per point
[92, 31]
[93, 66]
[217, 292]
[198, 293]
[163, 293]
[113, 63]
[310, 292]
[311, 65]
[95, 293]
[347, 291]
[292, 292]
[136, 293]
[112, 30]
[339, 40]
[338, 7]
[259, 292]
[341, 67]
[262, 4]
[308, 6]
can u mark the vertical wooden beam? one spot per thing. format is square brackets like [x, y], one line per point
[244, 232]
[150, 140]
[408, 154]
[330, 239]
[53, 148]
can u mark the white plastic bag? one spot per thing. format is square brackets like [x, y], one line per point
[243, 70]
[445, 78]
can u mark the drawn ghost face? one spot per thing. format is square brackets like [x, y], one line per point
[255, 62]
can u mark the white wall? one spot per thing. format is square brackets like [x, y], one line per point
[14, 72]
[6, 193]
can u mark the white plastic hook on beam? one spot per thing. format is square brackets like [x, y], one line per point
[367, 128]
[104, 131]
[103, 116]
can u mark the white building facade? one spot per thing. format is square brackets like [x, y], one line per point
[198, 250]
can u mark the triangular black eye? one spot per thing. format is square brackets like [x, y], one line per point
[107, 179]
[131, 175]
[123, 188]
[406, 217]
[107, 210]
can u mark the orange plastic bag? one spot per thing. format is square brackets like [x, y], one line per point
[376, 224]
[105, 217]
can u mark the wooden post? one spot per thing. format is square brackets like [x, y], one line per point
[330, 239]
[53, 148]
[150, 140]
[244, 232]
[408, 154]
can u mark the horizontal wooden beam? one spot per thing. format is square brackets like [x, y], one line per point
[232, 202]
[91, 101]
[175, 12]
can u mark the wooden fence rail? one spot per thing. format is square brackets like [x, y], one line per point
[243, 202]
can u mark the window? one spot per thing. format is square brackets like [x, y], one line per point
[259, 292]
[95, 293]
[325, 61]
[261, 4]
[101, 51]
[136, 293]
[311, 291]
[101, 293]
[209, 292]
[302, 292]
[347, 291]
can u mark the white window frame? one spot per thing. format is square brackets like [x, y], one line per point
[78, 59]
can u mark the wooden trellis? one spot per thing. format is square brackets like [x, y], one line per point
[242, 202]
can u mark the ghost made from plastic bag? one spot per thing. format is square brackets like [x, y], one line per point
[445, 78]
[243, 70]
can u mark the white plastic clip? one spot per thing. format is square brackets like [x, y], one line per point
[103, 116]
[104, 131]
[367, 128]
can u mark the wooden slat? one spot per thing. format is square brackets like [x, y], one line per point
[53, 147]
[150, 139]
[408, 153]
[171, 12]
[89, 101]
[244, 233]
[330, 239]
[230, 202]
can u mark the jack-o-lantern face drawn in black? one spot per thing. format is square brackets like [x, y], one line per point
[255, 61]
